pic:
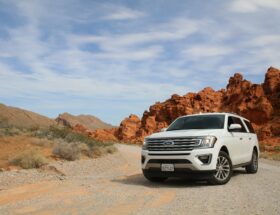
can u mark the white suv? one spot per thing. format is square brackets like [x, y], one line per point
[207, 146]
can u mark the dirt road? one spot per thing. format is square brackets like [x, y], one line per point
[114, 185]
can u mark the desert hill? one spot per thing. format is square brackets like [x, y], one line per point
[12, 116]
[88, 121]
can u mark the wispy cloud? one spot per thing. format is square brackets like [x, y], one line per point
[250, 6]
[199, 51]
[116, 55]
[122, 13]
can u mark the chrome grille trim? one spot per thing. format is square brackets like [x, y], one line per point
[173, 144]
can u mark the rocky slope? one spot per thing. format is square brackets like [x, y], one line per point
[260, 103]
[88, 121]
[11, 116]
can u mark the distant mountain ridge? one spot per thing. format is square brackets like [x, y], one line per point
[12, 116]
[21, 118]
[88, 121]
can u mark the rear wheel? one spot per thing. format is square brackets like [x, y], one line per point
[223, 170]
[253, 166]
[154, 179]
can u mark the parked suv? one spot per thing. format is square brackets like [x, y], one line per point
[208, 146]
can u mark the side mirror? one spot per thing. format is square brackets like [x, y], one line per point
[163, 129]
[234, 127]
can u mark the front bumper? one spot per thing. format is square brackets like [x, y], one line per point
[185, 162]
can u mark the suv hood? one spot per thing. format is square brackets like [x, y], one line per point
[186, 133]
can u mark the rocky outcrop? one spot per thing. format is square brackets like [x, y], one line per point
[260, 103]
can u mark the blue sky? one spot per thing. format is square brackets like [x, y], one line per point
[113, 58]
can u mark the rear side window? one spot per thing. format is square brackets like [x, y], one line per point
[236, 120]
[249, 126]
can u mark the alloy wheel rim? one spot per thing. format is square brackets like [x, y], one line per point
[222, 168]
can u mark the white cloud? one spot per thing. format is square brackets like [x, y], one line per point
[249, 6]
[205, 50]
[126, 46]
[122, 13]
[174, 30]
[265, 40]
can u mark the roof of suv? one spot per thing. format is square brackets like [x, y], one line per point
[217, 113]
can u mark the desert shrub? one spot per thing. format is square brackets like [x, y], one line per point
[277, 148]
[40, 142]
[65, 150]
[271, 156]
[99, 151]
[34, 128]
[68, 135]
[85, 149]
[111, 149]
[10, 131]
[3, 122]
[29, 159]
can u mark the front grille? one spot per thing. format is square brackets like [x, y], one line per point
[172, 144]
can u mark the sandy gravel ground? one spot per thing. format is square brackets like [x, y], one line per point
[114, 185]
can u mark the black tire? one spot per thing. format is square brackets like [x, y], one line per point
[154, 179]
[253, 166]
[223, 171]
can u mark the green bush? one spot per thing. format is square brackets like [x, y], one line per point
[29, 159]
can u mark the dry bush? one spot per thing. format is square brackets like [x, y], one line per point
[99, 151]
[84, 149]
[111, 149]
[29, 159]
[40, 142]
[65, 150]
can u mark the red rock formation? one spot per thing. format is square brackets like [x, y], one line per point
[128, 128]
[78, 128]
[258, 103]
[104, 135]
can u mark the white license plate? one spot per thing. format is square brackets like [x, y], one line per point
[166, 167]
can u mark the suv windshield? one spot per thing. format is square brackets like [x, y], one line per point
[198, 122]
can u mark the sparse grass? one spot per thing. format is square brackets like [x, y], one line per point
[41, 142]
[10, 131]
[69, 136]
[99, 151]
[270, 156]
[277, 148]
[29, 159]
[111, 149]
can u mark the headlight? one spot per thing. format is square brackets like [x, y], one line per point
[144, 147]
[208, 142]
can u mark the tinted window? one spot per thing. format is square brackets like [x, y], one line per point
[249, 126]
[198, 122]
[236, 120]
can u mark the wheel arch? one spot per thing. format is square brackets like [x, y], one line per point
[256, 149]
[225, 149]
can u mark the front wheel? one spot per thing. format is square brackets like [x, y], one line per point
[253, 166]
[223, 170]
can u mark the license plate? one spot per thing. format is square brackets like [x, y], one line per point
[166, 167]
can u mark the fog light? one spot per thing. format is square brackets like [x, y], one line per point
[205, 159]
[143, 159]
